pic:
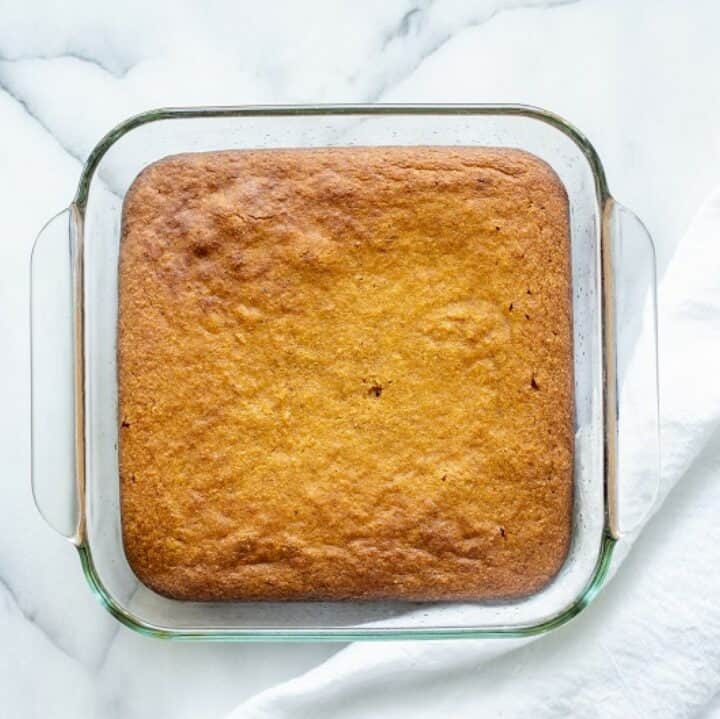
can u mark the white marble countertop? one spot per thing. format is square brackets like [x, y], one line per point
[639, 78]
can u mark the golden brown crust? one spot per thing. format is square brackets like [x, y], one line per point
[346, 373]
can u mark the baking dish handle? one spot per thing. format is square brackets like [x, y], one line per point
[633, 394]
[55, 279]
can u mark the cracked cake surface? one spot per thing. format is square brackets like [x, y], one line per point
[346, 373]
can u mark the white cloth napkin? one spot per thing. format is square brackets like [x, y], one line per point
[649, 646]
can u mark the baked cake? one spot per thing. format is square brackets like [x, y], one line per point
[346, 373]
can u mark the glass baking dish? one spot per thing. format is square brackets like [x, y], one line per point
[74, 389]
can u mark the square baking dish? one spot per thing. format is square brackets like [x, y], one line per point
[74, 306]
